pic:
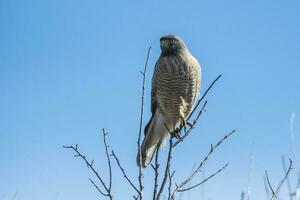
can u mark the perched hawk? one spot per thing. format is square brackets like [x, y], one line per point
[175, 88]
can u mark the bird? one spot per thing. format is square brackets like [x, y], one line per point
[175, 89]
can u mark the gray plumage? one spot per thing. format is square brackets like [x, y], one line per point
[175, 89]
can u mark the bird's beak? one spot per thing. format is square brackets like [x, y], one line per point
[164, 43]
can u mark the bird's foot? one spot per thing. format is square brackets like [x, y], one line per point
[176, 134]
[184, 123]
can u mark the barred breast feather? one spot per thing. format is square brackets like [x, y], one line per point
[175, 85]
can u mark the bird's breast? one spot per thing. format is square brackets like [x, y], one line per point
[176, 85]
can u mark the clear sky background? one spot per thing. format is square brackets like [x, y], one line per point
[69, 68]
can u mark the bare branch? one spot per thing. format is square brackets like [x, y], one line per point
[170, 176]
[266, 188]
[189, 184]
[141, 187]
[124, 173]
[167, 169]
[211, 176]
[269, 184]
[275, 193]
[155, 168]
[135, 197]
[107, 157]
[284, 179]
[213, 147]
[287, 180]
[97, 188]
[90, 166]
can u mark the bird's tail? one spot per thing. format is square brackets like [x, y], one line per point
[155, 135]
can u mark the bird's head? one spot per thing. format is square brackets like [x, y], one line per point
[171, 44]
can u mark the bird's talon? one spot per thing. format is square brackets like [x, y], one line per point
[176, 134]
[184, 123]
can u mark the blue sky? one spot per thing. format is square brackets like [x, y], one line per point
[69, 68]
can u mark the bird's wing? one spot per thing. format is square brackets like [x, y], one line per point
[197, 67]
[153, 101]
[153, 94]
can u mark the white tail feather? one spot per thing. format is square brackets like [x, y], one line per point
[155, 135]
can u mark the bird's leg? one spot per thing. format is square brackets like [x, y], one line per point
[176, 133]
[184, 123]
[183, 111]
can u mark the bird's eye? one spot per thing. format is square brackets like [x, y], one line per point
[172, 41]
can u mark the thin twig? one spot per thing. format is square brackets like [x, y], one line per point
[188, 185]
[166, 170]
[97, 188]
[141, 187]
[287, 180]
[266, 188]
[284, 179]
[90, 166]
[156, 170]
[107, 157]
[269, 184]
[170, 176]
[211, 176]
[213, 147]
[135, 198]
[124, 173]
[275, 193]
